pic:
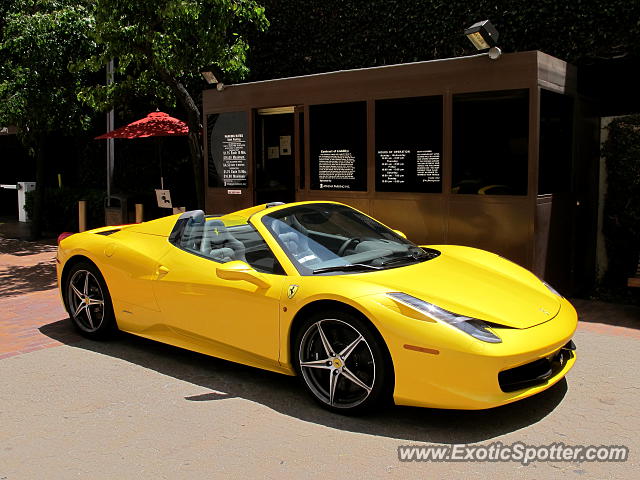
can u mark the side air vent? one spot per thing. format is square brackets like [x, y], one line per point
[108, 232]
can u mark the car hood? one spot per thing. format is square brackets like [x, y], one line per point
[474, 283]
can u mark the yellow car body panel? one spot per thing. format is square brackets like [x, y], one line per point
[167, 294]
[243, 319]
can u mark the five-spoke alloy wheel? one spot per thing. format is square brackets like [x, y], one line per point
[341, 362]
[88, 301]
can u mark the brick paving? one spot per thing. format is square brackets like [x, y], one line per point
[31, 313]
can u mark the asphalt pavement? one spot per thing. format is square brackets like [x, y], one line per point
[132, 408]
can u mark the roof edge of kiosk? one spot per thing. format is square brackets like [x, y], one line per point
[470, 73]
[545, 62]
[349, 70]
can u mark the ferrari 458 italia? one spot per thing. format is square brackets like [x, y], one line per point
[322, 291]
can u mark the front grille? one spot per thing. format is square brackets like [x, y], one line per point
[536, 372]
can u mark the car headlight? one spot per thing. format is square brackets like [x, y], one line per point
[471, 326]
[551, 289]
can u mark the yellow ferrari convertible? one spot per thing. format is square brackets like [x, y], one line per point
[322, 291]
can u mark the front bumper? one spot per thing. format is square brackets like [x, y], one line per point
[537, 372]
[441, 368]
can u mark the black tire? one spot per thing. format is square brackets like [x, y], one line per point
[368, 361]
[87, 300]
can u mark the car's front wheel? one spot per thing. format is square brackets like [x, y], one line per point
[342, 362]
[88, 302]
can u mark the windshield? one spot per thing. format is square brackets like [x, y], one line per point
[322, 239]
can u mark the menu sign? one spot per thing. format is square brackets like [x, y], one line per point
[228, 161]
[408, 170]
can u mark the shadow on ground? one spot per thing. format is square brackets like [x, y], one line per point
[607, 313]
[20, 248]
[285, 395]
[20, 279]
[26, 266]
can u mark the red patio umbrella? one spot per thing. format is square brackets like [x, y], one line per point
[155, 124]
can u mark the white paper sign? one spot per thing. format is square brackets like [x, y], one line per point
[164, 198]
[285, 145]
[273, 152]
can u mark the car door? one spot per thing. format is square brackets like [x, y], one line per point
[234, 319]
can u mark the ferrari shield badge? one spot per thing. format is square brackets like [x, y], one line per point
[291, 291]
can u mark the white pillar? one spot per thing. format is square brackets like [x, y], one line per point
[23, 188]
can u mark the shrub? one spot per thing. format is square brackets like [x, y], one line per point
[61, 208]
[621, 222]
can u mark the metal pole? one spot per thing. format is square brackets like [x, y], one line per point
[110, 145]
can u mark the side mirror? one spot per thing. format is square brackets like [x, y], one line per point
[398, 232]
[238, 270]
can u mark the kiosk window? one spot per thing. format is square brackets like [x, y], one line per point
[490, 143]
[338, 139]
[556, 143]
[409, 145]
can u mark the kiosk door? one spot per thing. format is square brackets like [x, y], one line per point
[275, 155]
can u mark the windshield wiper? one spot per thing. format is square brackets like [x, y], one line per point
[349, 267]
[409, 256]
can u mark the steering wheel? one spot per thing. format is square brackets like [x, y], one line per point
[345, 245]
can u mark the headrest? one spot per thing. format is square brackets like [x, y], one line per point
[211, 224]
[290, 240]
[215, 233]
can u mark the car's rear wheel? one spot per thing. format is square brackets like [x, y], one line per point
[88, 302]
[342, 362]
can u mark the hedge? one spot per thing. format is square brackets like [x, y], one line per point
[325, 35]
[61, 208]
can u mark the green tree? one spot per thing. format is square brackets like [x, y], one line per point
[160, 47]
[38, 92]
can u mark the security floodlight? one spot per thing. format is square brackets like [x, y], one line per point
[211, 74]
[209, 77]
[484, 37]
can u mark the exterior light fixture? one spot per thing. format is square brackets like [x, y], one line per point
[484, 37]
[212, 75]
[209, 77]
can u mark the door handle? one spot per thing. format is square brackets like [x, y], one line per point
[162, 270]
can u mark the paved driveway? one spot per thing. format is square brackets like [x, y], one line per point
[131, 408]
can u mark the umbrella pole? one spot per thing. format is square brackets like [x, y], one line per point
[159, 153]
